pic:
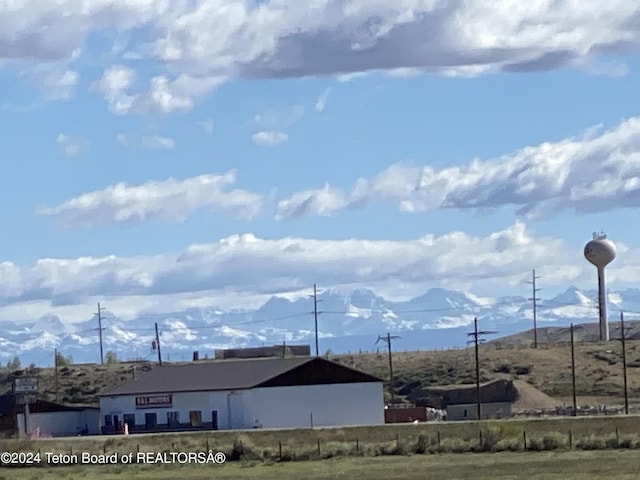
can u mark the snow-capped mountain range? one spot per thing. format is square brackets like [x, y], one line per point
[347, 321]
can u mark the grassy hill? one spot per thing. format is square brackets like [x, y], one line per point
[548, 368]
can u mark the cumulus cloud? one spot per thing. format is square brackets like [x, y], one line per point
[196, 45]
[251, 266]
[594, 172]
[163, 96]
[71, 146]
[269, 138]
[171, 200]
[149, 142]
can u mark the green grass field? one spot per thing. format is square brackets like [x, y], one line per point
[266, 444]
[573, 465]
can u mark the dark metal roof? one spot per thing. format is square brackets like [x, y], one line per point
[8, 406]
[240, 375]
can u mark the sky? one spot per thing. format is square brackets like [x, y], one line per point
[163, 154]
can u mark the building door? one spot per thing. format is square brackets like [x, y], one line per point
[195, 418]
[116, 423]
[214, 420]
[150, 421]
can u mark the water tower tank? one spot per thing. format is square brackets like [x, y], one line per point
[600, 251]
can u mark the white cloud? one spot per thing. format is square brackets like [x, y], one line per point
[207, 125]
[274, 124]
[149, 142]
[163, 96]
[594, 172]
[273, 119]
[245, 265]
[321, 103]
[113, 86]
[196, 45]
[172, 200]
[268, 138]
[349, 77]
[71, 146]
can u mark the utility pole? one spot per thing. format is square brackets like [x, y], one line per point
[99, 313]
[158, 345]
[477, 334]
[573, 373]
[623, 337]
[535, 299]
[55, 369]
[387, 338]
[315, 314]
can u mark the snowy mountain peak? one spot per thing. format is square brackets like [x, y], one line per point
[349, 320]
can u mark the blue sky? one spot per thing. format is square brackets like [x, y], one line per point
[350, 147]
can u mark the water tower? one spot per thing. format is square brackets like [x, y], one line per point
[600, 252]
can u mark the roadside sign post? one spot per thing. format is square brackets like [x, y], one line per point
[25, 390]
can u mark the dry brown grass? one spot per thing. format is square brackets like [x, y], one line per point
[598, 368]
[548, 368]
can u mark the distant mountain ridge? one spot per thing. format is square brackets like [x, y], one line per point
[349, 321]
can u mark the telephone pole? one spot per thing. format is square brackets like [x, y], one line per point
[55, 367]
[387, 338]
[573, 374]
[476, 340]
[158, 345]
[99, 313]
[535, 299]
[315, 314]
[623, 338]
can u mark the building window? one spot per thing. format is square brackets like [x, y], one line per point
[150, 421]
[173, 419]
[108, 421]
[195, 417]
[214, 420]
[130, 419]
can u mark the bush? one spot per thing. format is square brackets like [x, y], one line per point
[507, 445]
[591, 443]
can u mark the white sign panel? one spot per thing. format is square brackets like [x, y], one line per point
[25, 385]
[26, 398]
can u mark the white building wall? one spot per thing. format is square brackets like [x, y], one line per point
[60, 424]
[330, 405]
[223, 402]
[274, 407]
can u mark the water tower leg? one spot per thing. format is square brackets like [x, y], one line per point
[602, 306]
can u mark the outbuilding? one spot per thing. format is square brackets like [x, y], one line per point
[242, 394]
[47, 419]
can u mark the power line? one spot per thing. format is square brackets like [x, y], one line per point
[534, 299]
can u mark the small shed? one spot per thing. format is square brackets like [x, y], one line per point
[47, 419]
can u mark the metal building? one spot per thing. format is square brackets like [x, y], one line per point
[243, 394]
